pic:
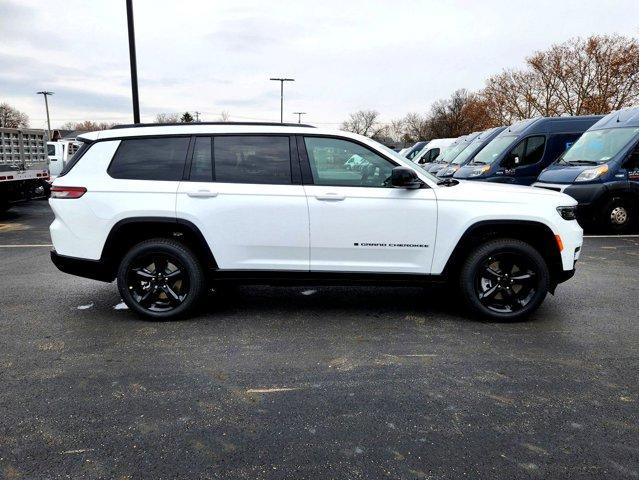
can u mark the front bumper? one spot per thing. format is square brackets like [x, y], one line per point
[81, 267]
[585, 194]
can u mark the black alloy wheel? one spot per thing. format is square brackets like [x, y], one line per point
[504, 279]
[161, 279]
[506, 282]
[158, 282]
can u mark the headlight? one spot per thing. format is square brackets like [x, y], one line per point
[480, 171]
[591, 173]
[568, 213]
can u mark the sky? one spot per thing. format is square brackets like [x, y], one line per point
[211, 56]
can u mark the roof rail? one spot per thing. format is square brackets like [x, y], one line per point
[260, 124]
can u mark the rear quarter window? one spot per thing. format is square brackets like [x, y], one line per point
[150, 159]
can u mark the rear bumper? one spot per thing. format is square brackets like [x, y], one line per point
[81, 267]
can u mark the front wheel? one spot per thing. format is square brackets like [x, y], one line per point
[504, 279]
[616, 215]
[161, 279]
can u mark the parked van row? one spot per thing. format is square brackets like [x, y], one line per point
[594, 159]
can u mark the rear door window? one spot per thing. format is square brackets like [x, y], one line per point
[252, 159]
[150, 159]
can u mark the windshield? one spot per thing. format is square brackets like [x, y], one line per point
[396, 156]
[493, 150]
[451, 152]
[598, 146]
[468, 151]
[414, 151]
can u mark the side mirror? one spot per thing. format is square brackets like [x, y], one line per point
[403, 177]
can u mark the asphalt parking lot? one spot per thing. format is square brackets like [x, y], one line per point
[314, 382]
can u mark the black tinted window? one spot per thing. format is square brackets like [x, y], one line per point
[534, 150]
[252, 159]
[201, 165]
[150, 159]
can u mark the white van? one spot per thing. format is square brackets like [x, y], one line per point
[432, 150]
[59, 154]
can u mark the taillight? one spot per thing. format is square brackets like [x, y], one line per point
[67, 192]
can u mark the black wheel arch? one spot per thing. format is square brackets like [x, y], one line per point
[537, 234]
[130, 231]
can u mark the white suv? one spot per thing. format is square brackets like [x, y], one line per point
[170, 210]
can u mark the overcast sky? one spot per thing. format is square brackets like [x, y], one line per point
[393, 56]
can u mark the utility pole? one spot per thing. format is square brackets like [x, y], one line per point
[282, 80]
[197, 116]
[299, 116]
[45, 94]
[132, 60]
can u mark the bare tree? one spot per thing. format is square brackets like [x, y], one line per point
[167, 118]
[225, 116]
[577, 77]
[87, 126]
[12, 118]
[365, 122]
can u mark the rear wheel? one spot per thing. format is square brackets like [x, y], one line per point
[161, 279]
[504, 280]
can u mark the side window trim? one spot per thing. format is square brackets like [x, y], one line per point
[188, 167]
[305, 163]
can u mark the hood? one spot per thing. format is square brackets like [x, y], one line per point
[436, 167]
[503, 193]
[559, 173]
[447, 172]
[467, 170]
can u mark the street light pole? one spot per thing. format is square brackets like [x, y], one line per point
[133, 62]
[299, 116]
[45, 94]
[282, 80]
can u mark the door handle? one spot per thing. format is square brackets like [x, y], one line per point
[202, 194]
[330, 196]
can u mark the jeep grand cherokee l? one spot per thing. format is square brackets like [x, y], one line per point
[169, 211]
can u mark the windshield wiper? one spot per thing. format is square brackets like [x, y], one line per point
[582, 162]
[448, 182]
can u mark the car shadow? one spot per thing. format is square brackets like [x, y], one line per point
[324, 301]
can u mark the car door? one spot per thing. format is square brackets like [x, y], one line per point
[358, 222]
[631, 167]
[522, 164]
[244, 193]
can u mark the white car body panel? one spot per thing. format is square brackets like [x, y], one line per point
[82, 225]
[248, 226]
[354, 229]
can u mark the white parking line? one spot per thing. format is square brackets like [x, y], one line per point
[611, 236]
[27, 246]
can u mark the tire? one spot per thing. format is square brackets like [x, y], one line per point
[504, 280]
[616, 216]
[161, 279]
